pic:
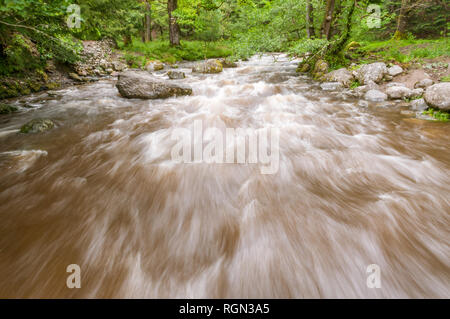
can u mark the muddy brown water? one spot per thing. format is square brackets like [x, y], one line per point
[356, 186]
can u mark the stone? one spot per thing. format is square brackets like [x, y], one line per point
[423, 84]
[154, 66]
[174, 75]
[227, 63]
[371, 72]
[416, 93]
[398, 92]
[375, 96]
[141, 85]
[118, 66]
[394, 84]
[210, 66]
[361, 90]
[438, 95]
[321, 66]
[75, 77]
[331, 86]
[419, 105]
[342, 76]
[37, 126]
[395, 70]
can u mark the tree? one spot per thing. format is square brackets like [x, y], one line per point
[400, 33]
[327, 20]
[147, 21]
[309, 19]
[174, 29]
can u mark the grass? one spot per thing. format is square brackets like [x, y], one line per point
[137, 53]
[439, 115]
[405, 51]
[445, 79]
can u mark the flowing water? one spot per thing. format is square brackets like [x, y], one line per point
[355, 186]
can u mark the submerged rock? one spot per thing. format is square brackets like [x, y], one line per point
[438, 95]
[7, 109]
[419, 105]
[210, 66]
[227, 63]
[141, 85]
[37, 126]
[371, 72]
[153, 66]
[375, 96]
[175, 75]
[331, 86]
[342, 76]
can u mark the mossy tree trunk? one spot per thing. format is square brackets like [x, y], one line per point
[309, 19]
[400, 33]
[174, 29]
[328, 19]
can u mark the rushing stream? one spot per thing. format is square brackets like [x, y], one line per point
[356, 185]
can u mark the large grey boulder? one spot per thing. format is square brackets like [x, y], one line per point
[37, 126]
[438, 95]
[423, 84]
[398, 92]
[395, 70]
[141, 85]
[343, 76]
[210, 66]
[375, 96]
[371, 72]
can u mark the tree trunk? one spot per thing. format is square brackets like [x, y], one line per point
[148, 22]
[328, 18]
[309, 19]
[174, 29]
[400, 33]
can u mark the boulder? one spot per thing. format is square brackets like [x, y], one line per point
[419, 105]
[375, 96]
[75, 77]
[361, 90]
[395, 70]
[438, 95]
[394, 84]
[331, 86]
[153, 66]
[119, 66]
[371, 72]
[37, 126]
[398, 92]
[175, 75]
[423, 84]
[210, 66]
[342, 76]
[141, 85]
[416, 93]
[321, 66]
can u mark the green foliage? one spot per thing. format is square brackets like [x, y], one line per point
[445, 79]
[439, 115]
[161, 50]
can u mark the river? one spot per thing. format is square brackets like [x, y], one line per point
[356, 185]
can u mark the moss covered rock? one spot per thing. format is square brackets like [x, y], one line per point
[7, 109]
[37, 126]
[210, 66]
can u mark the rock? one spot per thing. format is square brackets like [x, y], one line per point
[331, 86]
[361, 90]
[342, 76]
[141, 85]
[37, 126]
[398, 92]
[416, 93]
[389, 85]
[321, 66]
[423, 84]
[303, 68]
[363, 103]
[7, 109]
[395, 70]
[118, 66]
[153, 66]
[75, 77]
[210, 66]
[375, 96]
[371, 72]
[174, 75]
[388, 77]
[419, 105]
[227, 63]
[438, 95]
